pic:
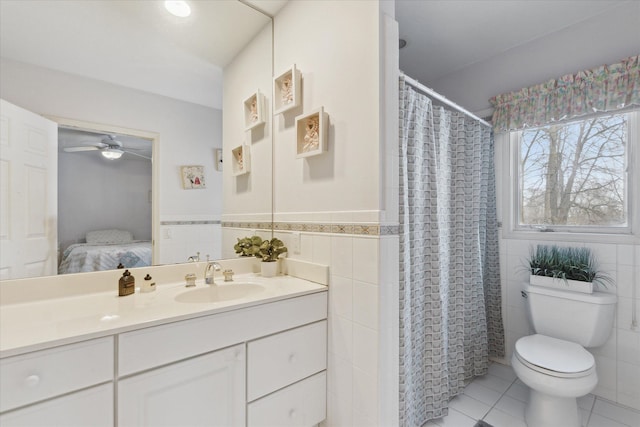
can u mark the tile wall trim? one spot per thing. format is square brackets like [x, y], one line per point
[190, 222]
[360, 229]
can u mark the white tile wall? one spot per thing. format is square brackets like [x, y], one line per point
[179, 242]
[618, 361]
[353, 384]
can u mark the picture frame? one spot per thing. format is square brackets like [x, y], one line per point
[311, 133]
[287, 90]
[192, 177]
[254, 115]
[241, 160]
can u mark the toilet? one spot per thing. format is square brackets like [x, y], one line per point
[553, 362]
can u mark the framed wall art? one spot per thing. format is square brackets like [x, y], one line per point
[311, 133]
[287, 90]
[254, 115]
[240, 160]
[192, 177]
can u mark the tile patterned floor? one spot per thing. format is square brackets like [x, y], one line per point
[499, 397]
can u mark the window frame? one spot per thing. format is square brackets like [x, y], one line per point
[507, 159]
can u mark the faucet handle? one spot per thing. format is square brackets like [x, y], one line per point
[228, 275]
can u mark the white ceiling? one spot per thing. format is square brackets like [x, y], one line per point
[136, 44]
[449, 40]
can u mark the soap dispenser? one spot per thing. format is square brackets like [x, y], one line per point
[127, 284]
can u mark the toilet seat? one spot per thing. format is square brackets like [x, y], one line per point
[554, 357]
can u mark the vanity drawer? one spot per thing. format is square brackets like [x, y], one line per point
[159, 345]
[43, 374]
[281, 359]
[301, 404]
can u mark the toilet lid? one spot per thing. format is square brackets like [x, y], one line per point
[554, 354]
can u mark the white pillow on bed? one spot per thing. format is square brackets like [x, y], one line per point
[99, 237]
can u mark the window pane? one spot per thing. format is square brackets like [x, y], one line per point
[573, 174]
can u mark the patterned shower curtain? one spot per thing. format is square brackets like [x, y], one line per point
[450, 308]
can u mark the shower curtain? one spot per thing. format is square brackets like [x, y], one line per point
[450, 308]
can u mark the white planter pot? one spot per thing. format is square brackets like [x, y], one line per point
[269, 269]
[561, 284]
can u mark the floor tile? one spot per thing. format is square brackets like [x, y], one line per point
[455, 419]
[518, 391]
[586, 402]
[482, 393]
[493, 382]
[616, 413]
[502, 371]
[596, 420]
[498, 418]
[511, 406]
[469, 406]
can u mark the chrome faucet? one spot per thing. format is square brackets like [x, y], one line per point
[194, 258]
[209, 270]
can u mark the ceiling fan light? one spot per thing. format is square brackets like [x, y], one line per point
[178, 8]
[112, 153]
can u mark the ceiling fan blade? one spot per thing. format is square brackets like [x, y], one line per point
[136, 154]
[77, 149]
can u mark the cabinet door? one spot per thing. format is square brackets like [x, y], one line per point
[207, 390]
[88, 408]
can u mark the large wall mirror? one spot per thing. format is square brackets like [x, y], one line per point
[127, 79]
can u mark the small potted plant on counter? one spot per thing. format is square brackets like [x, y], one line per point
[248, 246]
[566, 268]
[269, 252]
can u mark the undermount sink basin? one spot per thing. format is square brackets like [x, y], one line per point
[217, 293]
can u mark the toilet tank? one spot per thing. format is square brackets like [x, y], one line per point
[586, 319]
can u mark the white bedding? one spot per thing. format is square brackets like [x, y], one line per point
[84, 257]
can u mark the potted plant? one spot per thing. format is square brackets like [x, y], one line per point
[248, 246]
[565, 268]
[269, 252]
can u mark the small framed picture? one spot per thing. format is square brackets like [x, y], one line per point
[192, 177]
[254, 111]
[311, 133]
[240, 160]
[287, 90]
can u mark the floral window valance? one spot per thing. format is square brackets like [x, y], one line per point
[605, 88]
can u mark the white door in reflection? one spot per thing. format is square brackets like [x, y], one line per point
[28, 193]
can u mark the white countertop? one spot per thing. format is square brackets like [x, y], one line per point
[31, 326]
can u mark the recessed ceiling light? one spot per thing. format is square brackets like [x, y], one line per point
[178, 8]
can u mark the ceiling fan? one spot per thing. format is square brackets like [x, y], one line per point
[109, 147]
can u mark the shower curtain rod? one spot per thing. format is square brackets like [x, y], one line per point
[432, 93]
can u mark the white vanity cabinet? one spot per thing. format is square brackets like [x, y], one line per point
[68, 385]
[287, 377]
[258, 365]
[204, 371]
[208, 390]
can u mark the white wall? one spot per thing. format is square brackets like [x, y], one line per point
[248, 196]
[337, 47]
[334, 45]
[95, 194]
[189, 133]
[603, 39]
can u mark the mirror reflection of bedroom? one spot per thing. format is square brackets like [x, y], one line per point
[104, 201]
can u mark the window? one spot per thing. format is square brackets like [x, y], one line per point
[575, 176]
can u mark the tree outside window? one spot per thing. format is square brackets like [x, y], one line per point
[574, 174]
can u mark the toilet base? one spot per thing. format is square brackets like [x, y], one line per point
[543, 410]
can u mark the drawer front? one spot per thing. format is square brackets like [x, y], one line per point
[282, 359]
[160, 345]
[301, 404]
[43, 374]
[87, 408]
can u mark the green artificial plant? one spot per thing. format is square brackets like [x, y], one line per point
[248, 246]
[270, 250]
[566, 263]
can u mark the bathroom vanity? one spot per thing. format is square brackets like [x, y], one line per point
[170, 357]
